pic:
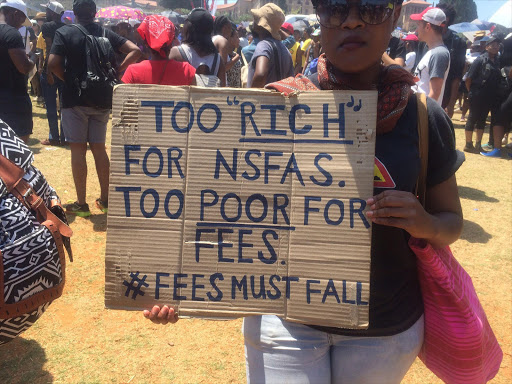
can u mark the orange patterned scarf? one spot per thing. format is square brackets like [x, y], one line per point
[394, 90]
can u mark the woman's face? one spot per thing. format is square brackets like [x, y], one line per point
[355, 46]
[234, 41]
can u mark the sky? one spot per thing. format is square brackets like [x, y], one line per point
[487, 8]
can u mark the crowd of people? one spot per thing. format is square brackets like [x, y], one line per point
[350, 47]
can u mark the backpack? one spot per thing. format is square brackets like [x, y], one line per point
[33, 235]
[96, 85]
[205, 76]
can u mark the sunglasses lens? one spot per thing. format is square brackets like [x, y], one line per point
[332, 13]
[376, 11]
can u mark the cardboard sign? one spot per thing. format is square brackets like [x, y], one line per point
[229, 202]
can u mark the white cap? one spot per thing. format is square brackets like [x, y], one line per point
[54, 6]
[20, 6]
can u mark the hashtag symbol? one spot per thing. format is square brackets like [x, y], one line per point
[135, 285]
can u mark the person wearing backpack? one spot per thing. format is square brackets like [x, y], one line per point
[482, 82]
[80, 55]
[197, 47]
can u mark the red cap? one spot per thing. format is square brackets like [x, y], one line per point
[288, 27]
[431, 15]
[410, 37]
[419, 16]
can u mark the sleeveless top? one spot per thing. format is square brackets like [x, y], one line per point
[195, 60]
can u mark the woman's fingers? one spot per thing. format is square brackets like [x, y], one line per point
[390, 198]
[162, 315]
[398, 212]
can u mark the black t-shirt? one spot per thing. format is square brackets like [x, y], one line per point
[457, 48]
[49, 28]
[69, 42]
[11, 80]
[395, 296]
[484, 74]
[396, 48]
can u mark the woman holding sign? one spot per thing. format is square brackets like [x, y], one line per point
[354, 35]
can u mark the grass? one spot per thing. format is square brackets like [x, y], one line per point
[78, 341]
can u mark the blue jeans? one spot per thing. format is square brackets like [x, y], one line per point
[50, 99]
[278, 351]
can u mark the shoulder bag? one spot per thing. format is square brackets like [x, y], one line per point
[459, 345]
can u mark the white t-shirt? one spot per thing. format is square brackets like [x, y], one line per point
[435, 63]
[410, 59]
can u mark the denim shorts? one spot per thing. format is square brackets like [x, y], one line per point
[85, 124]
[278, 351]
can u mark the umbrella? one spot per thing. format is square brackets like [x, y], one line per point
[465, 27]
[68, 14]
[503, 16]
[300, 25]
[120, 12]
[175, 17]
[483, 25]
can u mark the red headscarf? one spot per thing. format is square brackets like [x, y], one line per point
[158, 32]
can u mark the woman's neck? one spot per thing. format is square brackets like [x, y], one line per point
[368, 79]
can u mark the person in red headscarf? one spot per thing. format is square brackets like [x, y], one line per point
[158, 32]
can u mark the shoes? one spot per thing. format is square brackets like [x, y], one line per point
[494, 153]
[462, 118]
[488, 147]
[470, 148]
[51, 142]
[102, 205]
[79, 210]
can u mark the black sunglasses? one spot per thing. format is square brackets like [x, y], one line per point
[332, 13]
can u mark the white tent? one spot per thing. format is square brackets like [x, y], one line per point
[503, 16]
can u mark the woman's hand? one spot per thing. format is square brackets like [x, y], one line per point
[402, 210]
[440, 224]
[162, 315]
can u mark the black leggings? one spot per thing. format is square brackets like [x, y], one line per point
[504, 115]
[479, 108]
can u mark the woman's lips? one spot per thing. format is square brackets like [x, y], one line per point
[350, 46]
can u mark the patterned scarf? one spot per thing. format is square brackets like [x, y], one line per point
[394, 90]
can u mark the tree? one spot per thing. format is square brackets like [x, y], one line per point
[187, 4]
[282, 4]
[466, 10]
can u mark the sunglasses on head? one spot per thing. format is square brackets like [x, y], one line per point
[332, 13]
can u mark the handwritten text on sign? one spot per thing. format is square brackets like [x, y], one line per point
[236, 202]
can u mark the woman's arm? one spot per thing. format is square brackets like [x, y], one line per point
[440, 224]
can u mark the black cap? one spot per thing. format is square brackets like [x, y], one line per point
[492, 39]
[81, 4]
[202, 20]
